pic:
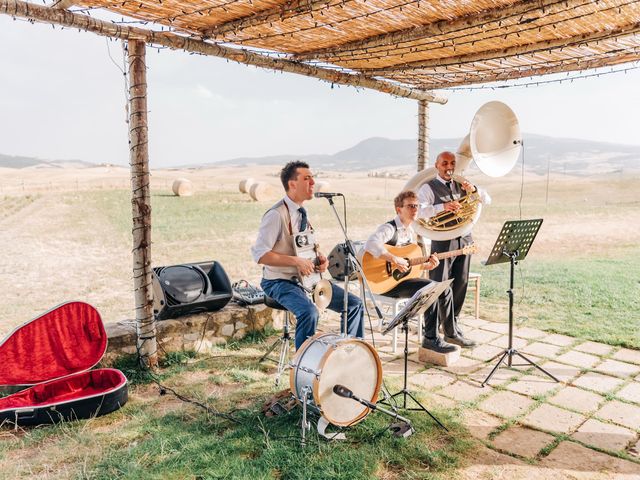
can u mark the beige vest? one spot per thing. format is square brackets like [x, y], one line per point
[283, 245]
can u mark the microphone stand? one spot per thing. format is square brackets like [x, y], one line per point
[351, 257]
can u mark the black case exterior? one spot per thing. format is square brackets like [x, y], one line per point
[82, 408]
[216, 291]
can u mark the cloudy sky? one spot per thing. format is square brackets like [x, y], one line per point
[62, 97]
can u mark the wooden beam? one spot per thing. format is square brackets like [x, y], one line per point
[30, 11]
[511, 74]
[141, 205]
[532, 9]
[487, 55]
[276, 14]
[63, 4]
[423, 134]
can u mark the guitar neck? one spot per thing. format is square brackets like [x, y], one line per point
[441, 256]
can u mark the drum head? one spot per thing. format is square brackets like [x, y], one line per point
[353, 364]
[182, 283]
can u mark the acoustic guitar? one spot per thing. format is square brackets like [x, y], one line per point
[381, 275]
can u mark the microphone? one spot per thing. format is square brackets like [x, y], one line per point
[327, 195]
[342, 391]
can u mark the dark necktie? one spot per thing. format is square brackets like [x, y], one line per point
[448, 184]
[303, 219]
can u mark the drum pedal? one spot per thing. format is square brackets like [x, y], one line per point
[401, 429]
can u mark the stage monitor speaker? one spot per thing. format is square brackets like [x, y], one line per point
[189, 288]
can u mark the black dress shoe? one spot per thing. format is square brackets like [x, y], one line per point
[438, 345]
[462, 341]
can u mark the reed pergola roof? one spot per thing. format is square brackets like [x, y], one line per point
[424, 44]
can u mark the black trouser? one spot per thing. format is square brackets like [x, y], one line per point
[456, 268]
[440, 312]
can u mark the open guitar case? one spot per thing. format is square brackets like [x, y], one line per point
[50, 358]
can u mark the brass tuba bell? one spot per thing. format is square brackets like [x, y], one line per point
[494, 143]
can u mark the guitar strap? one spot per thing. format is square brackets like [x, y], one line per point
[394, 240]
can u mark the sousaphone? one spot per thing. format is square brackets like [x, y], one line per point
[494, 143]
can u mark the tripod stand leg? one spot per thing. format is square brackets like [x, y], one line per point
[537, 366]
[282, 362]
[271, 349]
[506, 352]
[424, 408]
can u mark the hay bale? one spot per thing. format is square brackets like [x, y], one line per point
[261, 191]
[182, 187]
[245, 185]
[322, 186]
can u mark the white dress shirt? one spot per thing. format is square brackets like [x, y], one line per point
[271, 226]
[376, 243]
[426, 198]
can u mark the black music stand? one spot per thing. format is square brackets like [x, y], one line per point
[421, 300]
[512, 245]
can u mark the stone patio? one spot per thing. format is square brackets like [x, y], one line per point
[586, 426]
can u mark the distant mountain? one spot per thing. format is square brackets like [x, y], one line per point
[8, 161]
[573, 156]
[567, 155]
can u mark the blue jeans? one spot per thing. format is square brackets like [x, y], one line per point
[291, 296]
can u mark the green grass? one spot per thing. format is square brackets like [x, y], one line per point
[591, 298]
[161, 437]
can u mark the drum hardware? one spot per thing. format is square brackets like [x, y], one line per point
[305, 426]
[421, 300]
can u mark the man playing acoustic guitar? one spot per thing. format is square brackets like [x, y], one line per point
[381, 244]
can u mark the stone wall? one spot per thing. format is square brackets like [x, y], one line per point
[199, 332]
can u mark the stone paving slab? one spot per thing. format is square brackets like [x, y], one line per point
[431, 378]
[464, 365]
[577, 399]
[501, 375]
[529, 333]
[604, 435]
[496, 327]
[480, 424]
[621, 413]
[542, 349]
[481, 336]
[464, 392]
[506, 404]
[503, 342]
[522, 441]
[474, 322]
[617, 368]
[484, 352]
[553, 419]
[594, 348]
[627, 355]
[532, 385]
[579, 459]
[598, 382]
[562, 372]
[558, 339]
[630, 392]
[396, 367]
[579, 359]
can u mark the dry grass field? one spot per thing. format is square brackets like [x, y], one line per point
[65, 235]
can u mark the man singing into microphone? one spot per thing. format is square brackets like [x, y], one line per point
[274, 250]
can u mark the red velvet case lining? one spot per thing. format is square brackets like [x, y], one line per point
[82, 385]
[63, 341]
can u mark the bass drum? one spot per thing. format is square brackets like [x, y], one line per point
[338, 257]
[329, 359]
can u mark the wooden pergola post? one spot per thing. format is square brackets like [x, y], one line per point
[423, 134]
[141, 205]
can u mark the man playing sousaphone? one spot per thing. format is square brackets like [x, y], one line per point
[443, 193]
[390, 237]
[282, 268]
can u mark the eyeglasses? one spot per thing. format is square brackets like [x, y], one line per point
[412, 205]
